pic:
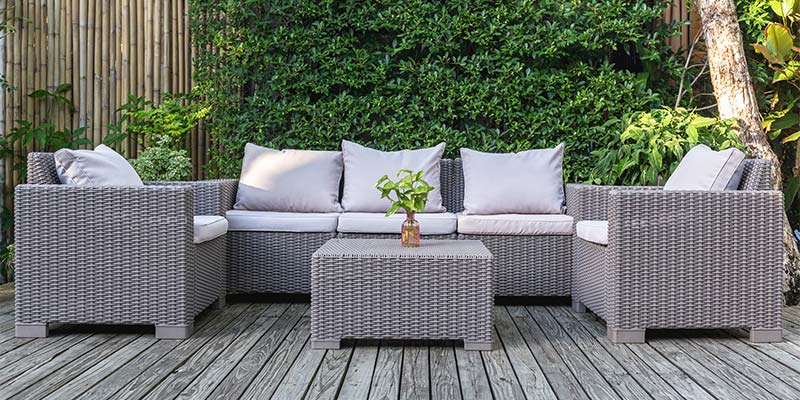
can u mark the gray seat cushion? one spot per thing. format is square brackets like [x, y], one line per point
[209, 227]
[271, 221]
[289, 180]
[430, 223]
[705, 169]
[516, 224]
[364, 166]
[529, 182]
[593, 231]
[99, 167]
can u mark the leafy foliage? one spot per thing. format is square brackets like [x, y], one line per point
[165, 125]
[652, 144]
[163, 128]
[495, 76]
[163, 164]
[410, 191]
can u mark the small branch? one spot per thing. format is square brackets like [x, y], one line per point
[681, 92]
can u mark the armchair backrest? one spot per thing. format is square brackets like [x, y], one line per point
[757, 175]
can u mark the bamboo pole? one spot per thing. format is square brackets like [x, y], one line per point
[105, 68]
[97, 132]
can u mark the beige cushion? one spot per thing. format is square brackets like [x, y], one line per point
[209, 227]
[429, 223]
[530, 182]
[515, 224]
[593, 231]
[99, 167]
[364, 166]
[705, 169]
[289, 180]
[270, 221]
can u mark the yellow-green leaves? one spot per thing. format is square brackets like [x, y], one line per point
[410, 191]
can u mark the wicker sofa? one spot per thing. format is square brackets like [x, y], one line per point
[115, 255]
[263, 261]
[682, 259]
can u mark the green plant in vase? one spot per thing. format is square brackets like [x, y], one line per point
[410, 193]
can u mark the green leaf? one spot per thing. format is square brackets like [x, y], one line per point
[779, 41]
[790, 192]
[782, 8]
[63, 88]
[38, 94]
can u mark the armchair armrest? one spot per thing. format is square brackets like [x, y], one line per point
[694, 259]
[590, 202]
[114, 246]
[211, 197]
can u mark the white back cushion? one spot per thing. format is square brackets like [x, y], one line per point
[99, 167]
[364, 166]
[529, 182]
[705, 169]
[289, 180]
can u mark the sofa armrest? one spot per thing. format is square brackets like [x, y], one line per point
[694, 259]
[590, 202]
[211, 197]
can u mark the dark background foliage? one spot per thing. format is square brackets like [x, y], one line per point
[490, 75]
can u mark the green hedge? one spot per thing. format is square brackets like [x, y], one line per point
[490, 75]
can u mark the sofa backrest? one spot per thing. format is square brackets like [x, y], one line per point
[757, 175]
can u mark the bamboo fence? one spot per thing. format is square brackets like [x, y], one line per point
[108, 50]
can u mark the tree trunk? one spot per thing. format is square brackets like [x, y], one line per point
[736, 99]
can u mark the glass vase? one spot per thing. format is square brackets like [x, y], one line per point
[409, 234]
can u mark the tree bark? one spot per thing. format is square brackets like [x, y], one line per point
[736, 99]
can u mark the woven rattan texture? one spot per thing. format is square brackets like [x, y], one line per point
[530, 265]
[42, 169]
[401, 297]
[757, 175]
[342, 235]
[209, 276]
[695, 259]
[104, 255]
[212, 197]
[452, 181]
[272, 262]
[589, 279]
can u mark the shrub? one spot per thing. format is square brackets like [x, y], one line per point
[652, 144]
[494, 76]
[163, 164]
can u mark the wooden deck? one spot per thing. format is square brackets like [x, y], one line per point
[261, 351]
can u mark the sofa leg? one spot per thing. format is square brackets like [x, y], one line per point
[761, 335]
[174, 331]
[471, 345]
[219, 303]
[326, 344]
[578, 307]
[619, 336]
[31, 330]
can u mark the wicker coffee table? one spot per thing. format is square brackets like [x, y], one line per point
[377, 289]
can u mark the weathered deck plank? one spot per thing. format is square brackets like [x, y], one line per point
[237, 381]
[262, 351]
[358, 378]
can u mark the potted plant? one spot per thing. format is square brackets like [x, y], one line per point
[411, 194]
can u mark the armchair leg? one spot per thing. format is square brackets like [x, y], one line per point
[174, 331]
[578, 307]
[619, 336]
[31, 330]
[219, 303]
[761, 335]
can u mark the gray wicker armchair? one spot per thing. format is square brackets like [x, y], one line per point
[114, 255]
[682, 259]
